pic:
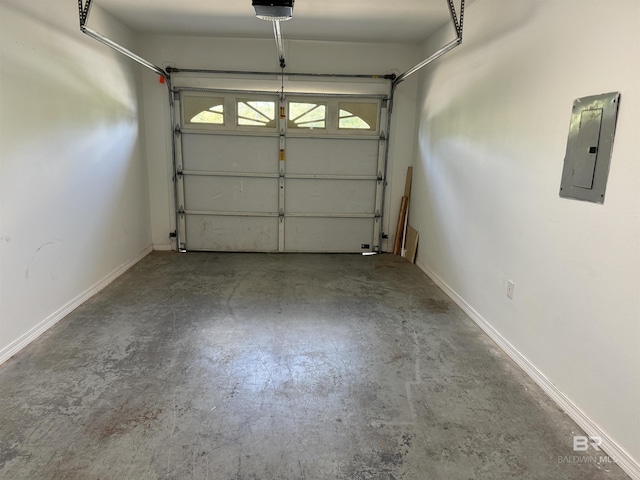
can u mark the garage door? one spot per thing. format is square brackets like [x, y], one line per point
[260, 172]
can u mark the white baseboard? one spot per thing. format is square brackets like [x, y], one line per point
[609, 446]
[10, 350]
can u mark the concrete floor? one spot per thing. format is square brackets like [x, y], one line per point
[251, 366]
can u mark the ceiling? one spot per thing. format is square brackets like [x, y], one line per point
[336, 20]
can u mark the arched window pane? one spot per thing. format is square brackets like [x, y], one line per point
[204, 110]
[358, 115]
[307, 115]
[256, 113]
[216, 118]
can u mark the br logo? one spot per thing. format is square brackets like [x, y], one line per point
[582, 443]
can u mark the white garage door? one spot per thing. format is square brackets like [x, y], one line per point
[258, 172]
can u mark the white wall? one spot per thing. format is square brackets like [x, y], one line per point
[260, 55]
[493, 124]
[73, 191]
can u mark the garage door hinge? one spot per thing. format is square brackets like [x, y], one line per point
[379, 177]
[281, 213]
[177, 130]
[181, 211]
[173, 234]
[382, 136]
[378, 214]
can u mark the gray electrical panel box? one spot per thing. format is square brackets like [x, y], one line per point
[591, 132]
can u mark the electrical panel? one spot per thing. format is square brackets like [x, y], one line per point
[591, 132]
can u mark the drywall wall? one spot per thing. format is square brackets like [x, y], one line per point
[493, 124]
[73, 188]
[260, 55]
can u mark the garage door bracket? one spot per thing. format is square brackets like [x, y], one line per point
[84, 7]
[457, 27]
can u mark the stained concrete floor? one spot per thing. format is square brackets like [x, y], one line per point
[251, 366]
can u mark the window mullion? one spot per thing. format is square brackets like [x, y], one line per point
[332, 115]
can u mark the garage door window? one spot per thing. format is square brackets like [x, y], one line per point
[307, 115]
[204, 110]
[256, 113]
[358, 116]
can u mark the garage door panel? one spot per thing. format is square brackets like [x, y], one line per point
[332, 156]
[249, 179]
[238, 234]
[330, 196]
[243, 154]
[328, 234]
[231, 194]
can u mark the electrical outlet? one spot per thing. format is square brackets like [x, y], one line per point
[510, 287]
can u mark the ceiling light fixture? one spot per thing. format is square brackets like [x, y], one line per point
[273, 10]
